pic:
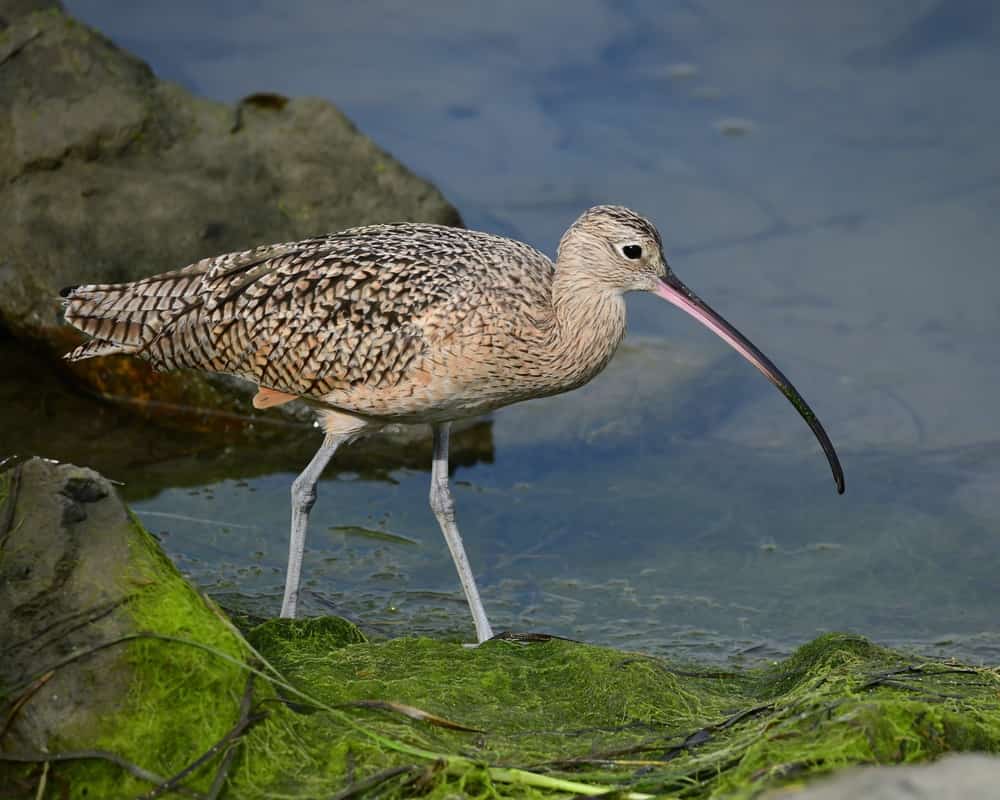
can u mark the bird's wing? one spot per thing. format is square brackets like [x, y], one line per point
[127, 317]
[302, 318]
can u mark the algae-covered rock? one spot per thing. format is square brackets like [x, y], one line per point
[81, 585]
[124, 682]
[60, 593]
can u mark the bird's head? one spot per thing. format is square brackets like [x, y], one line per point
[610, 248]
[615, 249]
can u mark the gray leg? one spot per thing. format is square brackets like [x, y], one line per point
[444, 510]
[303, 499]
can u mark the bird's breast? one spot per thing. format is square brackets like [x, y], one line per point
[496, 357]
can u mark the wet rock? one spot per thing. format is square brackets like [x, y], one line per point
[62, 547]
[84, 591]
[108, 174]
[967, 776]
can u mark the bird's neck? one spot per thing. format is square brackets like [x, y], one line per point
[589, 326]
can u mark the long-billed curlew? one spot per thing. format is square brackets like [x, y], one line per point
[404, 323]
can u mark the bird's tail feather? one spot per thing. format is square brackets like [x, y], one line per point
[125, 317]
[95, 347]
[140, 317]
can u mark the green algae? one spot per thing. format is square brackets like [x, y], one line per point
[181, 698]
[620, 720]
[330, 709]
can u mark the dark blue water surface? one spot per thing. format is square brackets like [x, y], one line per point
[825, 174]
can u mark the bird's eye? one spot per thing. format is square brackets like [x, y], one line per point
[632, 251]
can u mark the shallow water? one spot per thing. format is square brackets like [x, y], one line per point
[827, 177]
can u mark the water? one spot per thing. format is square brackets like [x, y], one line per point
[827, 176]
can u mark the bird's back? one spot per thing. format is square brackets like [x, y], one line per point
[406, 320]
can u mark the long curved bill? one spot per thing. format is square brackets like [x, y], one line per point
[675, 292]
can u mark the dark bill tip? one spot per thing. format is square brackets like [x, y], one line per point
[676, 293]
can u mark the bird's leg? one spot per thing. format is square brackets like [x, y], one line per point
[444, 510]
[303, 499]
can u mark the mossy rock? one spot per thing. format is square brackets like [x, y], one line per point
[93, 619]
[329, 711]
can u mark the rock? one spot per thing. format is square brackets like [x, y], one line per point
[60, 545]
[12, 9]
[80, 583]
[108, 174]
[966, 776]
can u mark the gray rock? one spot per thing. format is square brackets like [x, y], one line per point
[64, 535]
[966, 776]
[109, 174]
[12, 9]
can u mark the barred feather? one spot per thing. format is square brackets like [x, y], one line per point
[408, 321]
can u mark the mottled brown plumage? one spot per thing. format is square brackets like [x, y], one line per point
[403, 323]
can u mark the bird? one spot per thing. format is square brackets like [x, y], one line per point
[404, 323]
